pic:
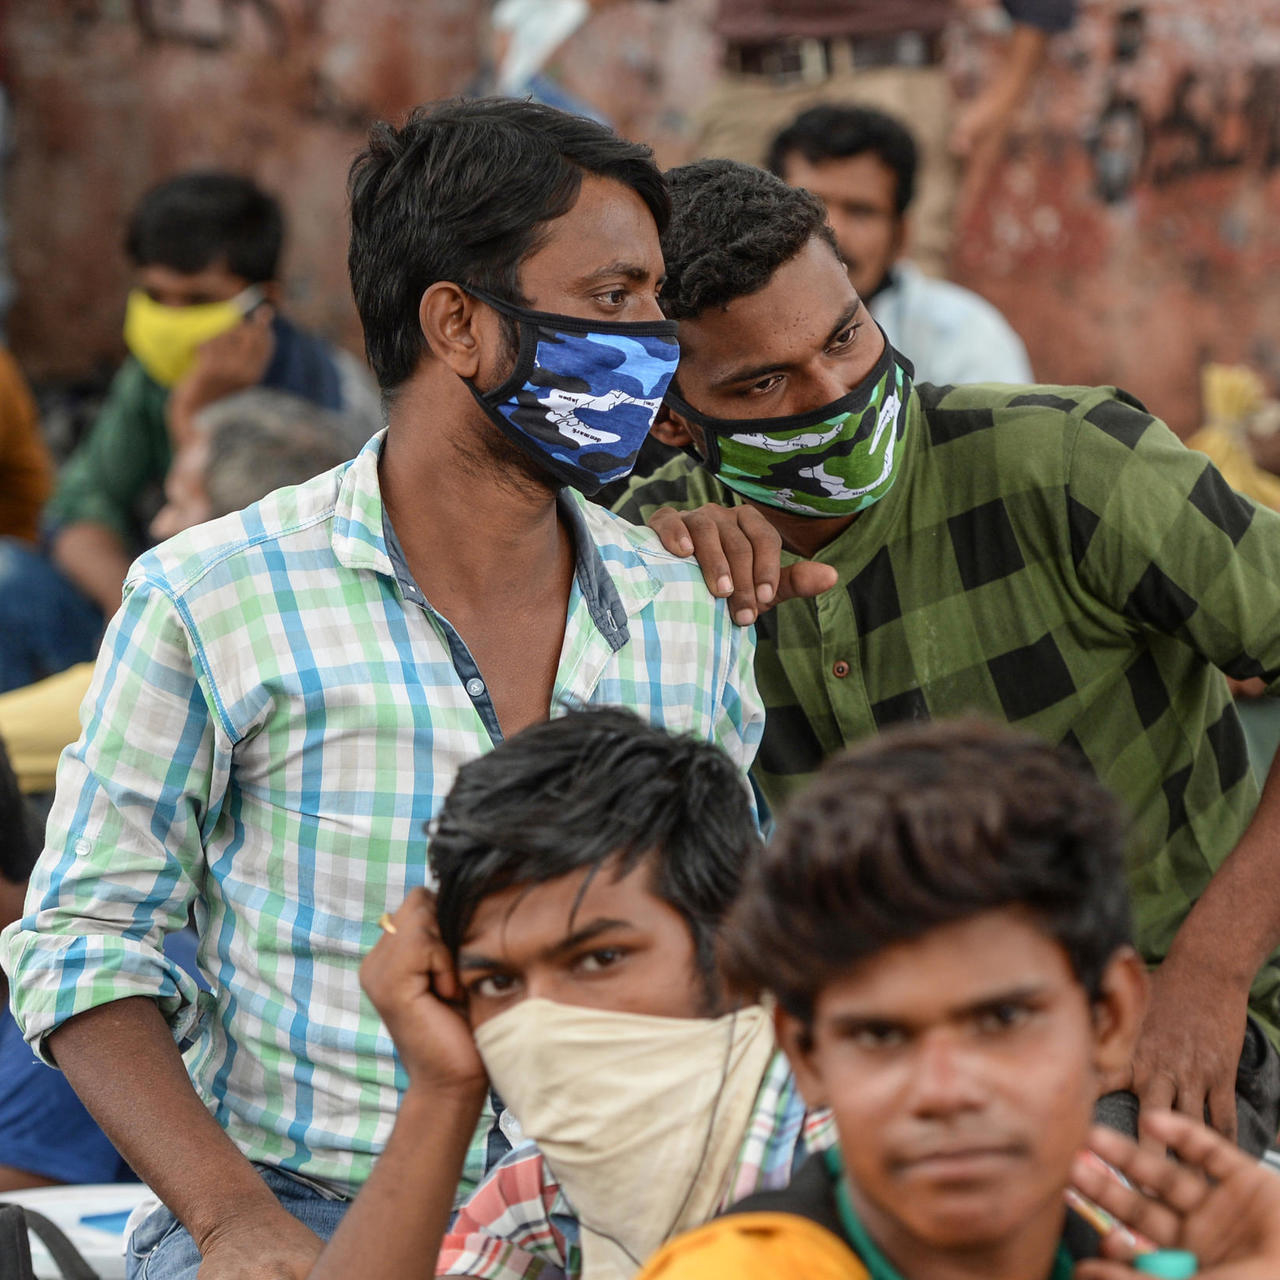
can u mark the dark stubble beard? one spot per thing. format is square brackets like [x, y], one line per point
[487, 454]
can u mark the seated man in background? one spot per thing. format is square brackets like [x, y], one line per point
[570, 960]
[942, 919]
[201, 322]
[46, 1135]
[1048, 556]
[240, 449]
[861, 163]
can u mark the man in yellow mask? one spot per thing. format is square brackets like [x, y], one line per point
[201, 323]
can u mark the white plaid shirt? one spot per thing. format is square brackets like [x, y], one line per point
[275, 715]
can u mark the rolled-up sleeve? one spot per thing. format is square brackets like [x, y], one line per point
[124, 848]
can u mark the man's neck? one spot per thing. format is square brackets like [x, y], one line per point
[805, 535]
[469, 532]
[1028, 1254]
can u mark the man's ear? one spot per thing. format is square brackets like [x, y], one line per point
[1117, 1016]
[795, 1039]
[671, 429]
[452, 325]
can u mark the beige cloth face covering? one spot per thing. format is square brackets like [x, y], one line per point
[640, 1118]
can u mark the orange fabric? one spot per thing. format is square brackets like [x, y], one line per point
[756, 1246]
[26, 472]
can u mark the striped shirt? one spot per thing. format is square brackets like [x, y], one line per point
[519, 1222]
[276, 714]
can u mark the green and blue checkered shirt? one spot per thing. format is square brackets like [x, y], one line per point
[1052, 557]
[275, 715]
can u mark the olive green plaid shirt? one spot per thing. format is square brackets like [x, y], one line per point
[1052, 557]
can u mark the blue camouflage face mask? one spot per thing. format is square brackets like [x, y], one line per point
[583, 393]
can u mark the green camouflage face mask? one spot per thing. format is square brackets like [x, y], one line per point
[831, 461]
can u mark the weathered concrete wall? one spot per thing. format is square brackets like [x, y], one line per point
[111, 95]
[1134, 230]
[1132, 233]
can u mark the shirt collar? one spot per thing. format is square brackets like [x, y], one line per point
[363, 538]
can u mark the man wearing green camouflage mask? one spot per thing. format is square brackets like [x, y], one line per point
[1047, 556]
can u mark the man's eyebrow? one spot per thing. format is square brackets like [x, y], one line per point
[627, 270]
[751, 372]
[473, 960]
[1027, 993]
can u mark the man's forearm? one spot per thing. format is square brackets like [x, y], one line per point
[1022, 57]
[1235, 925]
[95, 559]
[122, 1061]
[394, 1229]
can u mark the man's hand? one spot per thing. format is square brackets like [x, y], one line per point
[1214, 1200]
[740, 555]
[409, 978]
[269, 1247]
[231, 362]
[1189, 1046]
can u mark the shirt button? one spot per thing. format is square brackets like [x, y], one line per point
[840, 669]
[475, 686]
[83, 847]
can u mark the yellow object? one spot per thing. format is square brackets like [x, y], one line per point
[165, 340]
[1236, 463]
[756, 1246]
[386, 924]
[39, 720]
[1231, 392]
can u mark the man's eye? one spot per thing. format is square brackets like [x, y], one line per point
[613, 297]
[594, 961]
[493, 986]
[1002, 1017]
[877, 1036]
[765, 385]
[845, 336]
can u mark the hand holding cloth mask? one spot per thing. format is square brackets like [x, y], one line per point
[832, 461]
[583, 393]
[640, 1118]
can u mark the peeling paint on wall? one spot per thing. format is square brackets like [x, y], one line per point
[109, 96]
[1132, 232]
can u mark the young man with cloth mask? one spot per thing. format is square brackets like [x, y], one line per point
[570, 960]
[286, 694]
[942, 921]
[1048, 556]
[202, 322]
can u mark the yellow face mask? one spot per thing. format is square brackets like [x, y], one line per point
[164, 340]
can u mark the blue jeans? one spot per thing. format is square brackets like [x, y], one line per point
[162, 1249]
[46, 625]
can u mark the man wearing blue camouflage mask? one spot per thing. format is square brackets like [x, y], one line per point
[1048, 556]
[287, 693]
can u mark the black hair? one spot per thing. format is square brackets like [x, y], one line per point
[732, 226]
[579, 791]
[200, 219]
[461, 192]
[836, 131]
[924, 826]
[19, 833]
